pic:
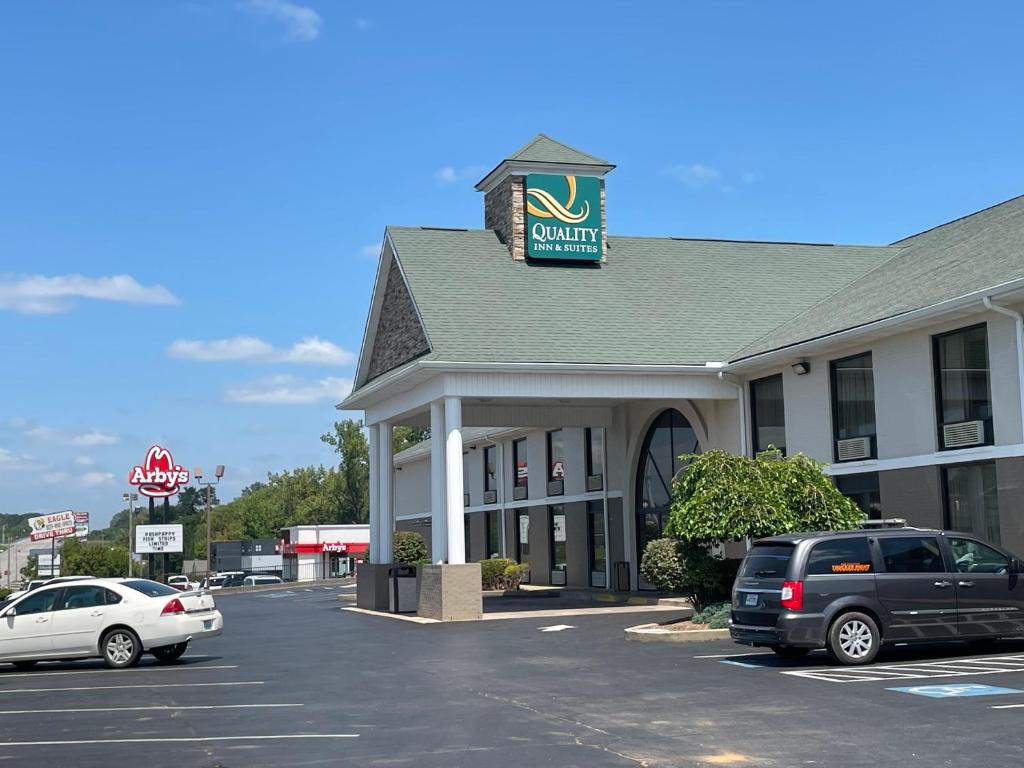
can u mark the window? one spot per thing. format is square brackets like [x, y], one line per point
[840, 556]
[522, 470]
[768, 414]
[523, 535]
[465, 480]
[490, 468]
[974, 557]
[112, 598]
[863, 489]
[598, 553]
[494, 548]
[767, 561]
[466, 529]
[911, 554]
[151, 588]
[853, 402]
[558, 556]
[82, 597]
[961, 380]
[37, 602]
[972, 502]
[594, 439]
[556, 457]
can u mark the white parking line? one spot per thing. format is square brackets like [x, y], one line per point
[137, 670]
[731, 655]
[991, 665]
[1008, 706]
[122, 687]
[180, 739]
[161, 708]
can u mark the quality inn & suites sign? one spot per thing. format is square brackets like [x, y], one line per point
[563, 217]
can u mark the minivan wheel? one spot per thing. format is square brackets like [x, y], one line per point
[121, 648]
[790, 651]
[854, 639]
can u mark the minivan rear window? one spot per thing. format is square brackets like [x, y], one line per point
[767, 561]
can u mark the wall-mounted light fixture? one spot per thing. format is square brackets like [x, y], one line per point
[801, 367]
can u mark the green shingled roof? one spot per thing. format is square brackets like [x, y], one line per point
[964, 256]
[543, 149]
[660, 301]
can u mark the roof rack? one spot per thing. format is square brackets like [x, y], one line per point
[891, 522]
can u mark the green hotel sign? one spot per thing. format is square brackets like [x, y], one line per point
[563, 217]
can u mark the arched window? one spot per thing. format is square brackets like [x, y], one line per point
[669, 436]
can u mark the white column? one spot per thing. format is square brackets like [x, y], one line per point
[438, 508]
[385, 495]
[453, 475]
[373, 455]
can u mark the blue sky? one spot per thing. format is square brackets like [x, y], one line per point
[192, 194]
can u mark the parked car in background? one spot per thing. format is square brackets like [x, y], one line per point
[212, 583]
[115, 619]
[850, 592]
[233, 578]
[36, 583]
[182, 583]
[256, 580]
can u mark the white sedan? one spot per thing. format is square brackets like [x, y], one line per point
[115, 619]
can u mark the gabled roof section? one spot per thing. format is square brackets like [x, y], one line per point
[974, 253]
[657, 301]
[543, 149]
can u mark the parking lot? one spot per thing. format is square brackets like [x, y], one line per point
[296, 681]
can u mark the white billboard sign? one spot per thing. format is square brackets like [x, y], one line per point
[159, 538]
[54, 526]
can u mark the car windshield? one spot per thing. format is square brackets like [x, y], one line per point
[767, 561]
[150, 588]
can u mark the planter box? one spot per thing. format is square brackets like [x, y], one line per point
[656, 633]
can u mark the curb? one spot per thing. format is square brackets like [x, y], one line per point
[278, 587]
[655, 633]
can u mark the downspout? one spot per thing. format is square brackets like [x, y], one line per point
[741, 392]
[1019, 326]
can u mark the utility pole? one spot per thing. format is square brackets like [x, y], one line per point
[131, 498]
[198, 475]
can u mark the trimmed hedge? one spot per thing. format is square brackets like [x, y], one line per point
[501, 573]
[686, 567]
[409, 547]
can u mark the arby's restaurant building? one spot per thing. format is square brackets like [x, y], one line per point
[900, 365]
[310, 552]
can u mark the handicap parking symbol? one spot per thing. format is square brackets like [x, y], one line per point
[956, 691]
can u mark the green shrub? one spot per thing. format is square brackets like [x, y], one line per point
[688, 568]
[715, 616]
[4, 592]
[409, 547]
[501, 573]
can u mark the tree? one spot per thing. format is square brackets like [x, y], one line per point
[407, 437]
[350, 443]
[100, 560]
[31, 568]
[409, 547]
[724, 497]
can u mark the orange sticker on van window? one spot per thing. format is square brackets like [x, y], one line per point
[851, 568]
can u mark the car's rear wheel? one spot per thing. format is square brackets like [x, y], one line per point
[121, 648]
[169, 653]
[27, 664]
[790, 651]
[854, 639]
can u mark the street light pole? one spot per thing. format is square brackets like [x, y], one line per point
[131, 498]
[198, 475]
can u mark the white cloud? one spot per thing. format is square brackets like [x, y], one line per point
[311, 350]
[41, 295]
[53, 478]
[16, 462]
[371, 251]
[92, 437]
[97, 478]
[449, 174]
[695, 176]
[289, 390]
[364, 24]
[301, 24]
[84, 461]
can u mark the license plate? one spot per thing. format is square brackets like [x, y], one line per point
[750, 599]
[208, 624]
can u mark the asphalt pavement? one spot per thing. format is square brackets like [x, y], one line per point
[294, 681]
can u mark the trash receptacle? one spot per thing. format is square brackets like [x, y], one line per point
[622, 576]
[402, 597]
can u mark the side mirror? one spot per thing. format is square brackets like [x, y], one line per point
[11, 612]
[1016, 566]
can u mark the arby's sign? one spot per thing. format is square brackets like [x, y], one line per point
[158, 476]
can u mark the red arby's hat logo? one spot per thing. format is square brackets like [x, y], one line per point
[158, 475]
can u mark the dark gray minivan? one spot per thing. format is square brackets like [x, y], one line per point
[851, 591]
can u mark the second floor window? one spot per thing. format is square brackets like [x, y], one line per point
[962, 382]
[853, 400]
[556, 456]
[520, 468]
[490, 468]
[595, 451]
[768, 414]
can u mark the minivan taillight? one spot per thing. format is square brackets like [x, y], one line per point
[172, 608]
[792, 595]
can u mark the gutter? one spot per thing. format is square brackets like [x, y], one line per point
[741, 403]
[1018, 320]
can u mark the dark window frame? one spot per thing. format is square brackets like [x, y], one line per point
[947, 513]
[845, 540]
[61, 606]
[834, 399]
[883, 569]
[588, 445]
[551, 536]
[751, 385]
[938, 394]
[595, 511]
[490, 530]
[521, 513]
[516, 480]
[837, 479]
[550, 458]
[493, 450]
